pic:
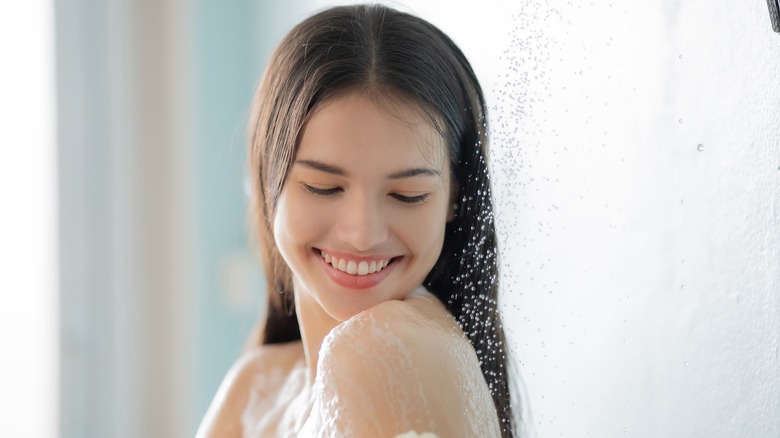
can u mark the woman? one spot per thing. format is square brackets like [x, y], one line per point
[367, 151]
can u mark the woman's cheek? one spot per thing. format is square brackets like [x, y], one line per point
[422, 224]
[291, 220]
[307, 216]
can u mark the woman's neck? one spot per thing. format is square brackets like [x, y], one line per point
[315, 324]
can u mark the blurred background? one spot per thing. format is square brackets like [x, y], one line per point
[636, 161]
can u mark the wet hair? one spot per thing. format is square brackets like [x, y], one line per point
[383, 52]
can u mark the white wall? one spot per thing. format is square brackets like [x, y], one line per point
[643, 289]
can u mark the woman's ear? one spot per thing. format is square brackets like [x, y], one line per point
[452, 212]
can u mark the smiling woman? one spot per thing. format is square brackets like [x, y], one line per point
[367, 151]
[383, 203]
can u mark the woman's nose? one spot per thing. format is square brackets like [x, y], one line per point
[362, 224]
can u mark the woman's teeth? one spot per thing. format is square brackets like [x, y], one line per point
[355, 268]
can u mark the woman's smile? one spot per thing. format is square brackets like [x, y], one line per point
[356, 272]
[355, 265]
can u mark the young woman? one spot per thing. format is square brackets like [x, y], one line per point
[368, 155]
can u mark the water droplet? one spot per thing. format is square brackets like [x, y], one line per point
[700, 147]
[679, 120]
[680, 57]
[682, 286]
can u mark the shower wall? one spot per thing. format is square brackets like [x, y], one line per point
[636, 152]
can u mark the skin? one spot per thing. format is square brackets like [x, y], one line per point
[363, 214]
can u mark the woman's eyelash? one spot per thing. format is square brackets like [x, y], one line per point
[320, 192]
[412, 200]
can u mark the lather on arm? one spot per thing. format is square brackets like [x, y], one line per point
[397, 368]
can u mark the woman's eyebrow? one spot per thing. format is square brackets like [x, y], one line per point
[322, 167]
[329, 168]
[417, 171]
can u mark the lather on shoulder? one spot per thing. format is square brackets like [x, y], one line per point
[404, 365]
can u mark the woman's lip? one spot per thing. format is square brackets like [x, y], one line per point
[357, 281]
[356, 258]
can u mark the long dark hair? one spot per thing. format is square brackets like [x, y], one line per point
[380, 50]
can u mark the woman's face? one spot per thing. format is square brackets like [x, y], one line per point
[361, 217]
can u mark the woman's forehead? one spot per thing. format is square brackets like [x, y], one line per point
[360, 127]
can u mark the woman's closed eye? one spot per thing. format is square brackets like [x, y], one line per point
[411, 200]
[330, 191]
[320, 191]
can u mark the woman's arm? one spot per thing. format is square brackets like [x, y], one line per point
[401, 366]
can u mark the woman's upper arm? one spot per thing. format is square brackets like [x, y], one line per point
[389, 371]
[223, 418]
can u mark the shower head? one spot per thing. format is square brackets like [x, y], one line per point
[774, 14]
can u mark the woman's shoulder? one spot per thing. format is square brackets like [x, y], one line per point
[271, 356]
[261, 362]
[405, 365]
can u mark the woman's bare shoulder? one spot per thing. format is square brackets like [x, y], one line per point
[406, 365]
[223, 418]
